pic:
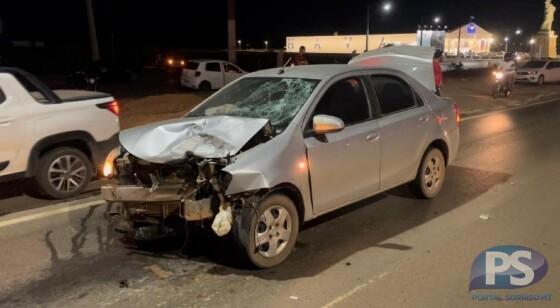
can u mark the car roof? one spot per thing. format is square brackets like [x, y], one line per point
[320, 71]
[206, 60]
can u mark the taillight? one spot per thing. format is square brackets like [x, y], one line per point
[112, 106]
[197, 74]
[457, 114]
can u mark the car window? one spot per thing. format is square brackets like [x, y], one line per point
[393, 94]
[346, 99]
[2, 96]
[191, 65]
[231, 69]
[213, 67]
[554, 64]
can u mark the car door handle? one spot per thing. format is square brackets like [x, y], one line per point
[5, 122]
[424, 118]
[372, 137]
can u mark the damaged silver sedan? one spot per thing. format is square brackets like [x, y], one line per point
[280, 147]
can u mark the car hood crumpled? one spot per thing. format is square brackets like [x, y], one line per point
[209, 137]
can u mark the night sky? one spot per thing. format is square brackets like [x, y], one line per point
[202, 24]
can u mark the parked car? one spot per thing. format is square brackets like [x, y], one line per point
[209, 74]
[59, 138]
[283, 146]
[99, 73]
[539, 72]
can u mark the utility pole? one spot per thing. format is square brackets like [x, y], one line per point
[232, 52]
[92, 33]
[459, 42]
[367, 27]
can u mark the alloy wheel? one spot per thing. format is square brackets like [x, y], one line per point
[67, 173]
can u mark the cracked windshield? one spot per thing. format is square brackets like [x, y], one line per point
[275, 99]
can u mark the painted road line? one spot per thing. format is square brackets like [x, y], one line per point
[355, 290]
[53, 210]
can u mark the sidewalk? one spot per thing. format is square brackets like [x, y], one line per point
[470, 89]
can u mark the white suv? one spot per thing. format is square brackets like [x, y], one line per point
[58, 138]
[209, 74]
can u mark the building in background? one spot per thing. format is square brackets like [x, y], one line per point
[471, 37]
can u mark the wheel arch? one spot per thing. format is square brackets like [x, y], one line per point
[79, 140]
[441, 145]
[292, 192]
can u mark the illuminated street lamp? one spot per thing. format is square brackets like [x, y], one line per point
[239, 44]
[518, 31]
[507, 42]
[266, 44]
[386, 8]
[532, 41]
[437, 19]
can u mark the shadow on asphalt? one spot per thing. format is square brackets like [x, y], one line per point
[338, 235]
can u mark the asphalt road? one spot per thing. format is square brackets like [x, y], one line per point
[391, 250]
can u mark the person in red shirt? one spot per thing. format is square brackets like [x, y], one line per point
[438, 75]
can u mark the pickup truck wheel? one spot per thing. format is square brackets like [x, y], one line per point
[265, 236]
[63, 173]
[431, 175]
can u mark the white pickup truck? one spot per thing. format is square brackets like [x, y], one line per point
[58, 138]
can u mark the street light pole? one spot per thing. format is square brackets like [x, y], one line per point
[232, 52]
[367, 26]
[92, 32]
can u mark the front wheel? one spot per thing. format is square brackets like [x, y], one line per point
[266, 235]
[431, 175]
[540, 81]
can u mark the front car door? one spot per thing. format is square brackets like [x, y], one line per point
[214, 74]
[344, 166]
[231, 72]
[404, 132]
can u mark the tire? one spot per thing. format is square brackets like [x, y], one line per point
[431, 175]
[249, 223]
[540, 81]
[205, 86]
[71, 166]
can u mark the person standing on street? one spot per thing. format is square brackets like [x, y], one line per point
[300, 58]
[438, 75]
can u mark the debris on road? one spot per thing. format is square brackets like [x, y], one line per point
[294, 297]
[159, 272]
[484, 216]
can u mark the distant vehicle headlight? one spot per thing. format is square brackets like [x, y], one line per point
[182, 62]
[499, 75]
[109, 169]
[170, 61]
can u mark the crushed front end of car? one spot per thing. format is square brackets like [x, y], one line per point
[171, 173]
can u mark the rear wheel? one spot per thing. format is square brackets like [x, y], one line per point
[205, 86]
[431, 175]
[63, 173]
[540, 81]
[265, 236]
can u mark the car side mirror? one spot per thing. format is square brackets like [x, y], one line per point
[324, 124]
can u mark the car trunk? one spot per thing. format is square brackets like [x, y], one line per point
[79, 95]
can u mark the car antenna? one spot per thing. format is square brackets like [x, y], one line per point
[281, 71]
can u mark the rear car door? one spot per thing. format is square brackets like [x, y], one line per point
[231, 72]
[214, 74]
[404, 124]
[344, 166]
[12, 131]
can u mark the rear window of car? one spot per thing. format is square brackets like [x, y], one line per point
[213, 67]
[191, 65]
[394, 94]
